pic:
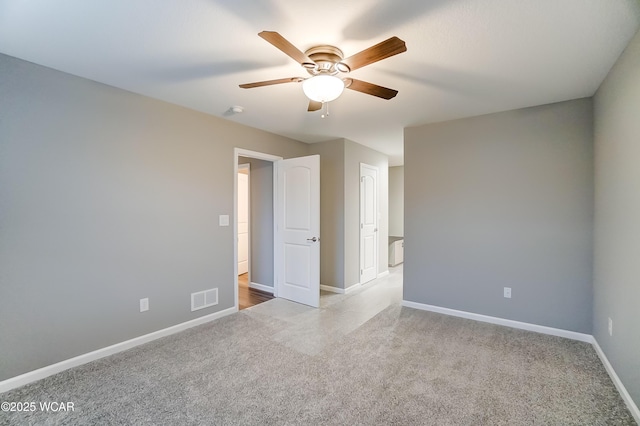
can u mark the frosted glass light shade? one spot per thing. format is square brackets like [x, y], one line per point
[323, 88]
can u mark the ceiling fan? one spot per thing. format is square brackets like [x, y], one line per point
[327, 65]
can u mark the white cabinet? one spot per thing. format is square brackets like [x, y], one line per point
[396, 250]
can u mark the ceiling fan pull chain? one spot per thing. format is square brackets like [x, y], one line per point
[326, 110]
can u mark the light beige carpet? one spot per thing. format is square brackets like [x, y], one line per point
[403, 366]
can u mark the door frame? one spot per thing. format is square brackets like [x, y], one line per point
[241, 152]
[377, 220]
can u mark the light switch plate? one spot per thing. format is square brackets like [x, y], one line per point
[224, 220]
[144, 304]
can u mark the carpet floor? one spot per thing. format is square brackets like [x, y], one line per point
[396, 366]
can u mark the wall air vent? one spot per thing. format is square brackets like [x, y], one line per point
[204, 299]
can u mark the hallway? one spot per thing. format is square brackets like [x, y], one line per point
[310, 330]
[248, 296]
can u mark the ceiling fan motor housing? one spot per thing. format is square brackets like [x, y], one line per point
[326, 58]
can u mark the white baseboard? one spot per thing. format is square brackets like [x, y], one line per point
[501, 321]
[352, 288]
[339, 290]
[332, 289]
[616, 381]
[383, 274]
[262, 287]
[41, 373]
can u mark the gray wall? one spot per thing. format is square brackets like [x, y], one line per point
[331, 211]
[107, 197]
[503, 200]
[340, 209]
[261, 220]
[396, 201]
[617, 217]
[354, 154]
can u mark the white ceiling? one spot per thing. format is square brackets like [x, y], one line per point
[464, 57]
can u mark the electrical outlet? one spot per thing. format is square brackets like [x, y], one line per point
[144, 304]
[507, 292]
[610, 327]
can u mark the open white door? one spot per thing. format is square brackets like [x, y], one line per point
[297, 253]
[368, 223]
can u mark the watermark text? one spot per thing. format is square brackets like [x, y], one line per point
[47, 406]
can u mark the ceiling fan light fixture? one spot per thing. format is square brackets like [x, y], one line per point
[323, 88]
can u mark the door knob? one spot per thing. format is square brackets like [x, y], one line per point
[313, 240]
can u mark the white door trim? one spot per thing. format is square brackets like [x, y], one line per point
[240, 152]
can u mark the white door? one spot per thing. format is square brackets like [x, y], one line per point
[298, 222]
[243, 219]
[368, 223]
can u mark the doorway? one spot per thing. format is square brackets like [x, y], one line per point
[254, 221]
[290, 258]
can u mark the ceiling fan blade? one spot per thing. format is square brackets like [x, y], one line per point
[370, 88]
[380, 51]
[283, 44]
[314, 106]
[271, 82]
